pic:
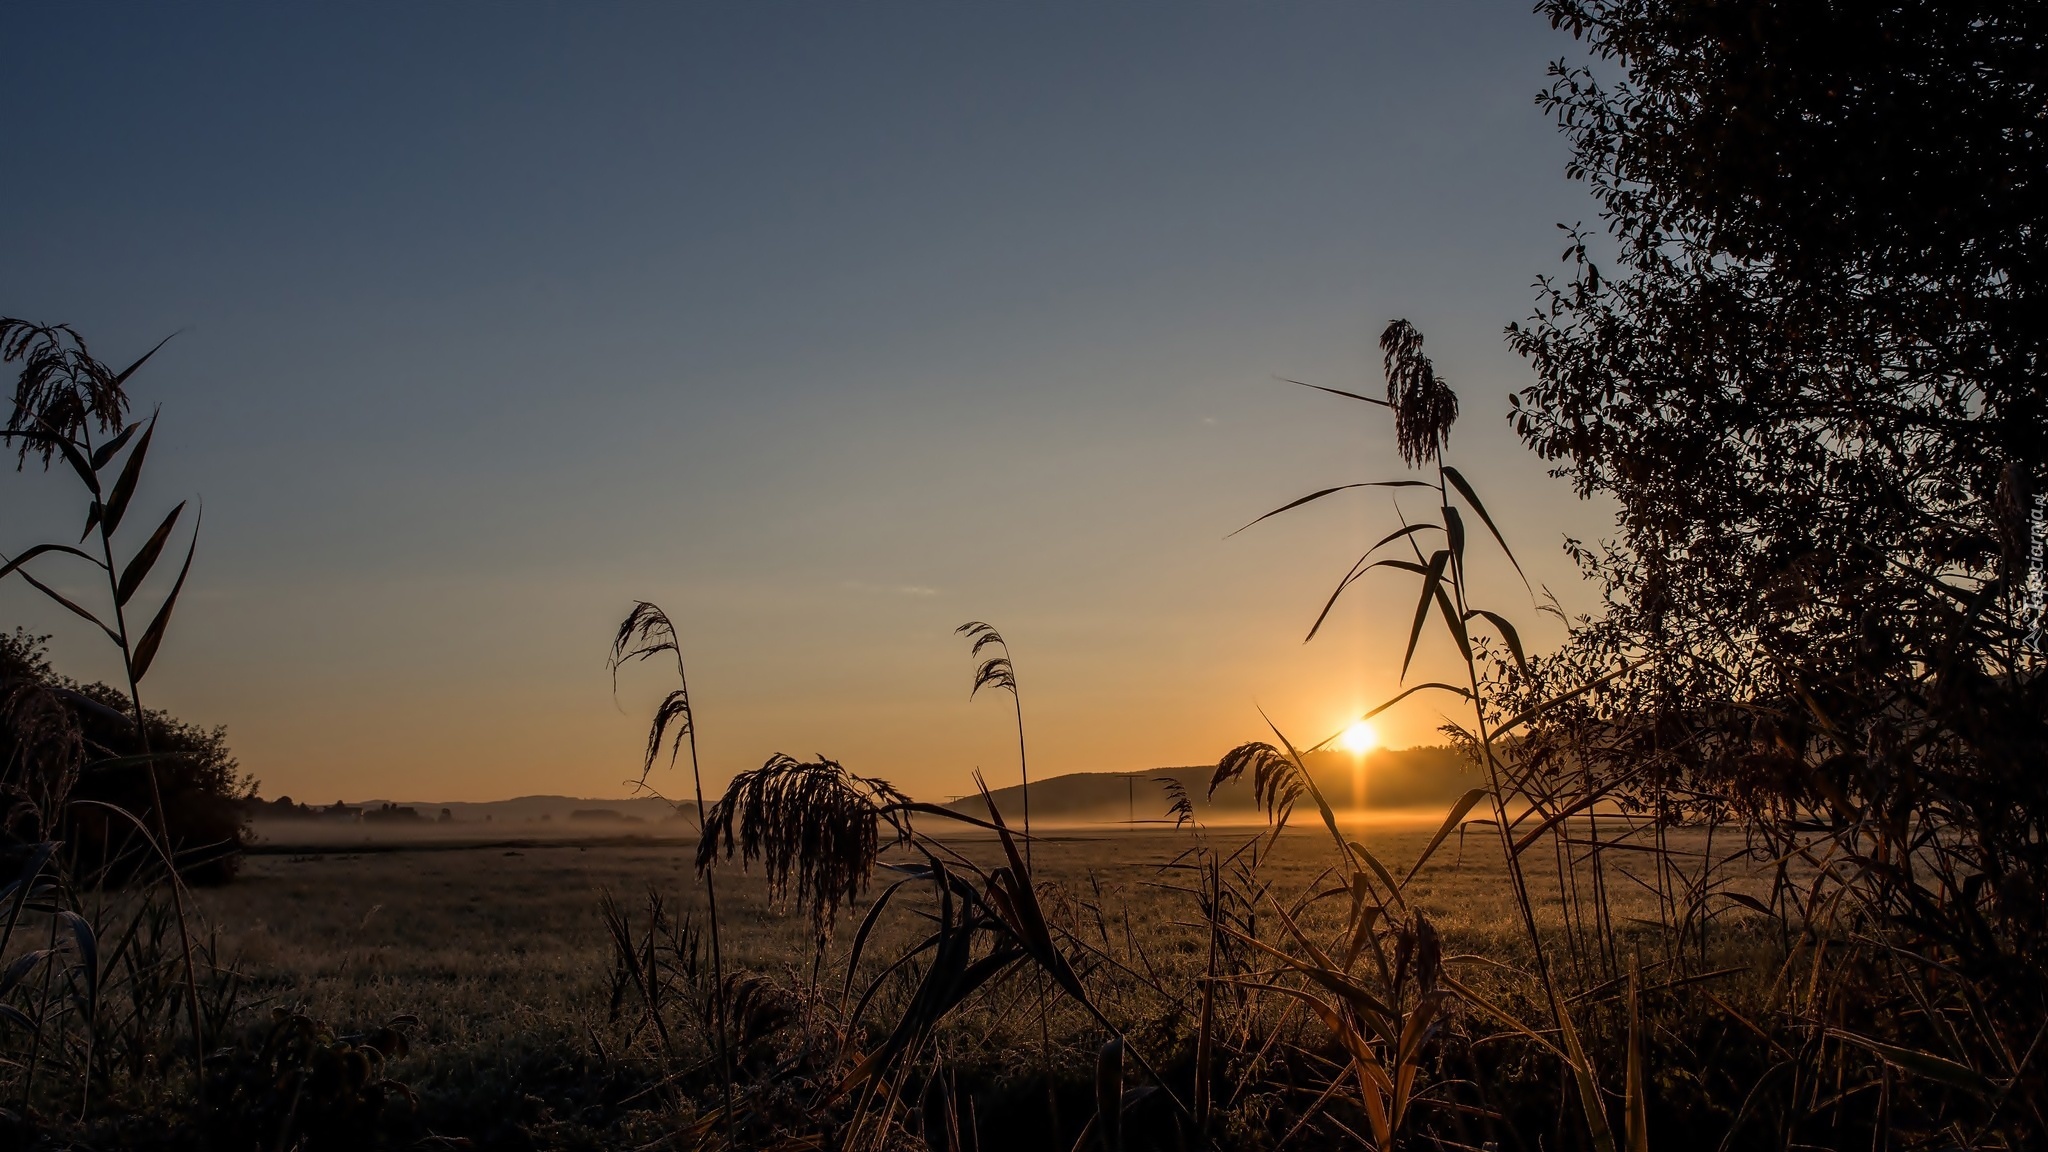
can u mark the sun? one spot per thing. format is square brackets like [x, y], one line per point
[1359, 738]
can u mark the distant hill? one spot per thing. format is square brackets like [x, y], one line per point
[523, 809]
[1427, 777]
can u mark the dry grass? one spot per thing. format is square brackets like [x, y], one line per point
[501, 951]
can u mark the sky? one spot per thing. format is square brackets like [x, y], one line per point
[826, 327]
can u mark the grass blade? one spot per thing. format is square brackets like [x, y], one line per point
[1508, 634]
[860, 938]
[106, 452]
[1380, 869]
[1406, 693]
[1588, 1082]
[122, 376]
[124, 487]
[1293, 504]
[1457, 813]
[1472, 498]
[1334, 391]
[1925, 1065]
[1357, 573]
[1109, 1094]
[145, 559]
[1637, 1127]
[60, 598]
[1430, 579]
[145, 650]
[9, 567]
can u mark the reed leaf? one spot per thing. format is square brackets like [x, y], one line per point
[1109, 1094]
[1432, 577]
[1457, 813]
[1458, 481]
[105, 453]
[153, 636]
[145, 557]
[1334, 391]
[1635, 1091]
[1314, 496]
[124, 486]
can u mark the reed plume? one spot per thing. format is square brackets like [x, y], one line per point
[1424, 406]
[1276, 783]
[1000, 673]
[647, 632]
[62, 391]
[814, 827]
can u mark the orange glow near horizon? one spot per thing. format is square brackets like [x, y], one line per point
[1359, 739]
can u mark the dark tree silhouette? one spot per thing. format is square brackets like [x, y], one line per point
[1812, 377]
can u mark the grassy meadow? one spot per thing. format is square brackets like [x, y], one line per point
[502, 953]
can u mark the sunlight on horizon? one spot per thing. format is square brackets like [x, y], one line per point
[1360, 738]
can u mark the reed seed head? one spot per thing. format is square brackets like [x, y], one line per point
[1424, 406]
[1276, 782]
[61, 391]
[814, 826]
[996, 671]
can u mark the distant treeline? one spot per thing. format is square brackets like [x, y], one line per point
[1431, 776]
[520, 810]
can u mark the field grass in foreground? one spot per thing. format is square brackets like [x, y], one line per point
[501, 952]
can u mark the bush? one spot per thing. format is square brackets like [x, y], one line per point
[71, 770]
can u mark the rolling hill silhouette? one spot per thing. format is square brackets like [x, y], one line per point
[1426, 777]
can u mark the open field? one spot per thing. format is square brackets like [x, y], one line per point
[501, 951]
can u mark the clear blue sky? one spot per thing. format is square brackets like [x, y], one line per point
[828, 327]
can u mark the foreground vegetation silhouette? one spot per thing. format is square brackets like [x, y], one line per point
[1768, 826]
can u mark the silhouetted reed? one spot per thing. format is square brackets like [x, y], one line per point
[647, 632]
[1000, 673]
[813, 826]
[63, 395]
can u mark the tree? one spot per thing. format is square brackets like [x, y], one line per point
[69, 758]
[1812, 379]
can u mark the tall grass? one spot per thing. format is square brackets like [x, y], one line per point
[1670, 971]
[114, 1003]
[62, 396]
